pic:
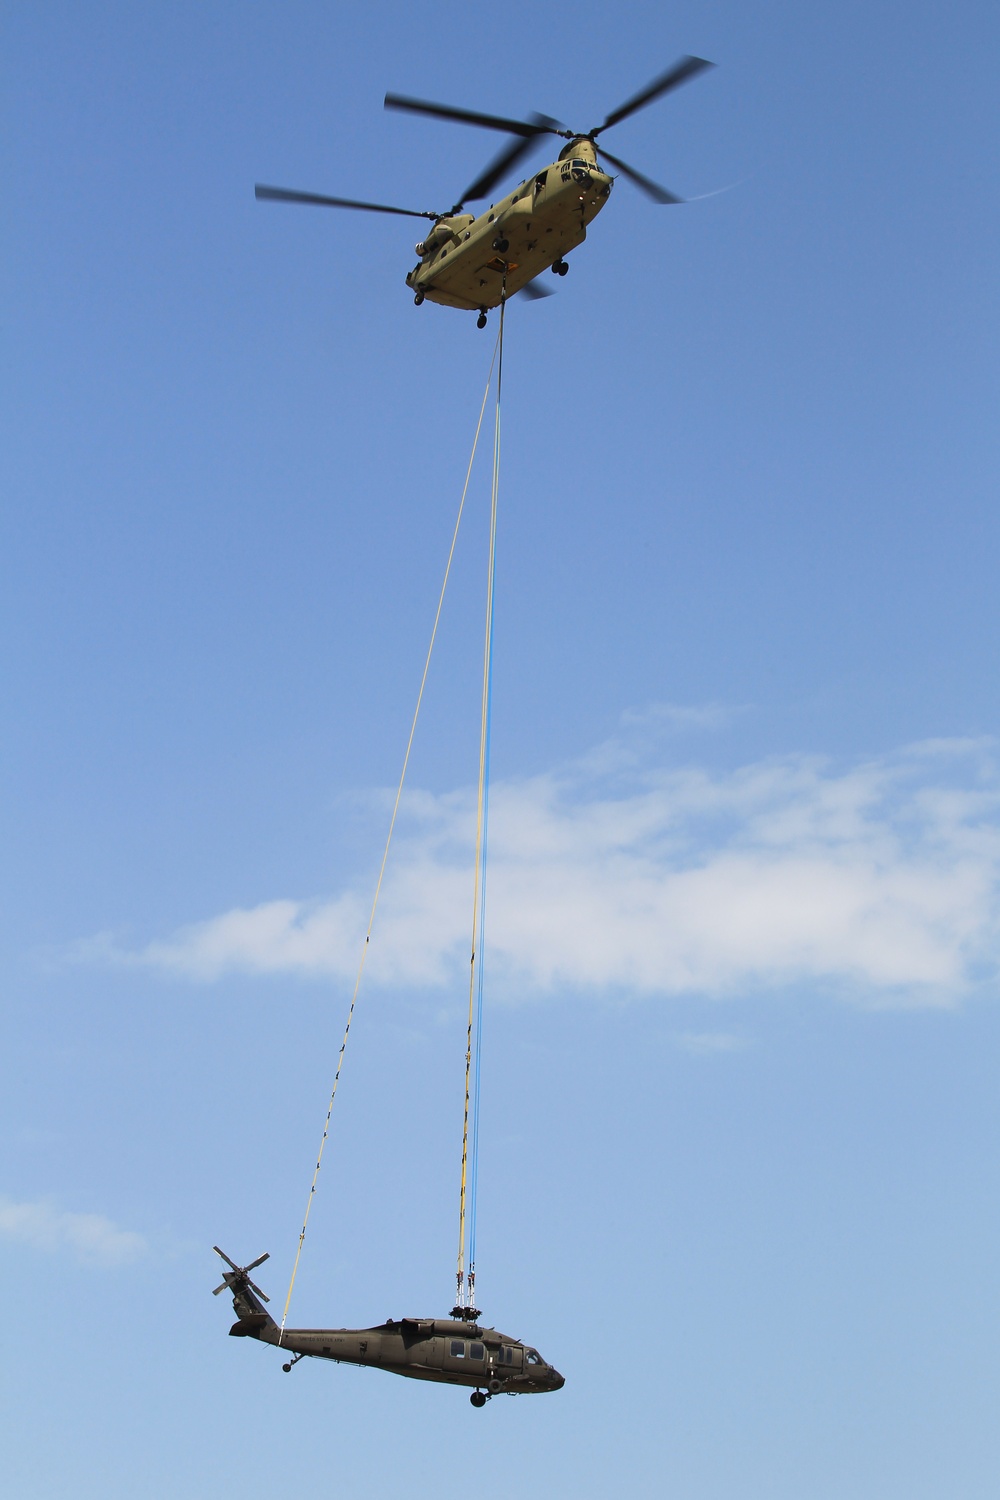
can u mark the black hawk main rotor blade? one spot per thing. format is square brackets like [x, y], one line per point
[649, 187]
[290, 195]
[688, 67]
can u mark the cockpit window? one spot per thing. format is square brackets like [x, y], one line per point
[533, 1357]
[458, 1348]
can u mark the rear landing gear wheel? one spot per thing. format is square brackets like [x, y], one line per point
[478, 1398]
[559, 267]
[481, 320]
[418, 298]
[501, 245]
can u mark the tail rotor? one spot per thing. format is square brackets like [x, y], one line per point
[238, 1278]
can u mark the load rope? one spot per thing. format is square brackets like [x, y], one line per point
[497, 348]
[465, 1301]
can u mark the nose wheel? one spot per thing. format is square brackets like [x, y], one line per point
[479, 1398]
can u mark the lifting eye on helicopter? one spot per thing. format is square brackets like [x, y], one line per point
[492, 257]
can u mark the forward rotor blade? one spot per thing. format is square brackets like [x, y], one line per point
[508, 158]
[259, 1261]
[688, 67]
[288, 195]
[536, 293]
[465, 116]
[649, 187]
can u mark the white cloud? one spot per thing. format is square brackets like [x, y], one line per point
[881, 879]
[90, 1238]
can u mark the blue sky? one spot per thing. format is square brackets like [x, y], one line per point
[739, 1119]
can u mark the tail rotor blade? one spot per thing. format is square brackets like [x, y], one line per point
[225, 1257]
[258, 1262]
[688, 67]
[223, 1288]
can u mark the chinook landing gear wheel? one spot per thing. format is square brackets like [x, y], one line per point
[481, 320]
[559, 268]
[418, 298]
[501, 245]
[478, 1398]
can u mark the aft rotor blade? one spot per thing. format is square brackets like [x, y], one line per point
[649, 187]
[536, 293]
[688, 67]
[464, 116]
[289, 195]
[508, 158]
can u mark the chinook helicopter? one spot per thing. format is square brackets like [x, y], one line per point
[476, 263]
[451, 1351]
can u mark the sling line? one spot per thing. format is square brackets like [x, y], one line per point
[392, 824]
[465, 1302]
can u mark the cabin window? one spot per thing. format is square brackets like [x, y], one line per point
[540, 181]
[476, 1351]
[457, 1349]
[506, 1355]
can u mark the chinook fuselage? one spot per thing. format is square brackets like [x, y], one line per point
[473, 263]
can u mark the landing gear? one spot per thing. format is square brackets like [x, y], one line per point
[559, 267]
[481, 320]
[418, 298]
[293, 1361]
[501, 245]
[479, 1398]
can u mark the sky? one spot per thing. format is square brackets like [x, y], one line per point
[739, 1114]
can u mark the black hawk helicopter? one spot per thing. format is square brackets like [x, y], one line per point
[475, 263]
[452, 1351]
